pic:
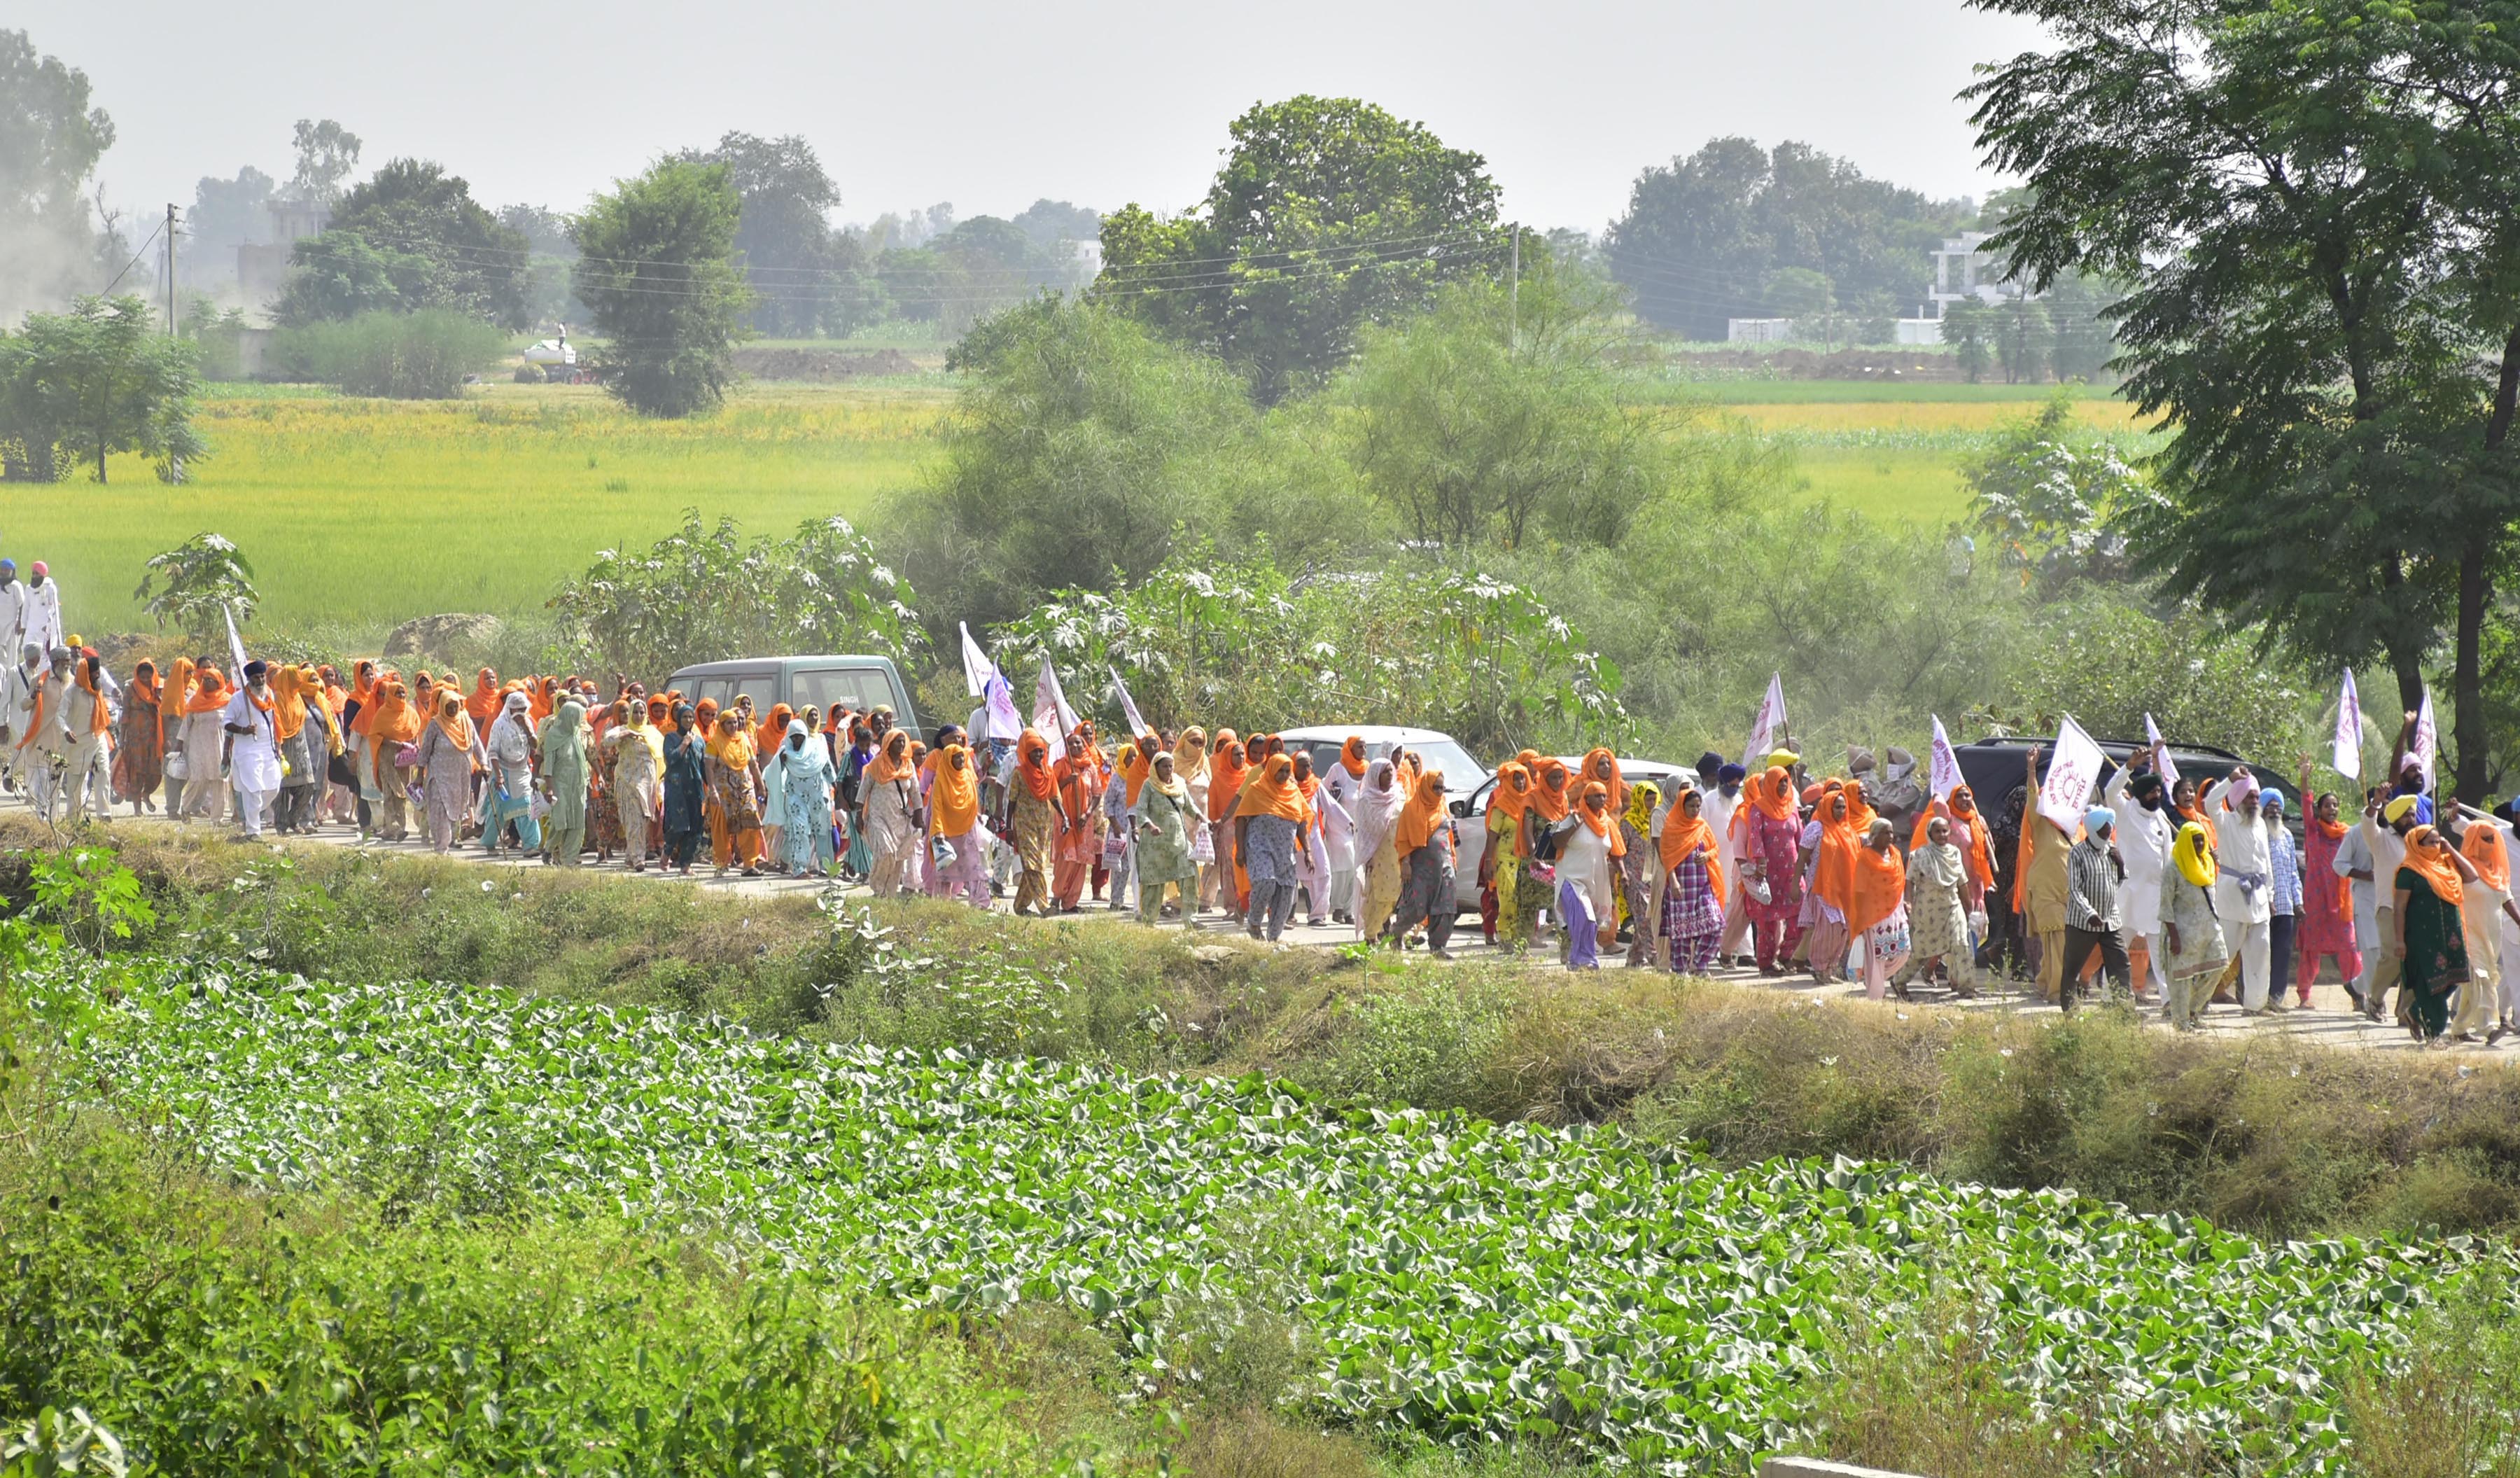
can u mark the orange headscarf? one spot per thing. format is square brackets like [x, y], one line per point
[289, 701]
[2438, 871]
[1603, 765]
[396, 723]
[1683, 833]
[210, 692]
[955, 797]
[1421, 816]
[1833, 873]
[1880, 878]
[1550, 793]
[1032, 764]
[1137, 762]
[888, 767]
[772, 732]
[178, 692]
[1859, 811]
[452, 719]
[99, 718]
[1275, 793]
[1604, 825]
[2484, 846]
[541, 701]
[1226, 772]
[484, 703]
[1351, 756]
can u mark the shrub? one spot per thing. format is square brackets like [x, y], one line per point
[401, 356]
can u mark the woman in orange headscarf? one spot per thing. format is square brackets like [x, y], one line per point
[140, 754]
[201, 738]
[1602, 766]
[1769, 858]
[1877, 915]
[1422, 834]
[2430, 887]
[2485, 905]
[953, 818]
[1077, 850]
[392, 760]
[1032, 820]
[1832, 886]
[301, 763]
[1509, 907]
[737, 790]
[481, 705]
[889, 793]
[1270, 837]
[1588, 875]
[450, 752]
[1221, 884]
[1692, 885]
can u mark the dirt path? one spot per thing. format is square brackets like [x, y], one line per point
[2328, 1021]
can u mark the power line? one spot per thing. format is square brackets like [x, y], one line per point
[135, 260]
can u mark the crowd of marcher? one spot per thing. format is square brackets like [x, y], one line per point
[1861, 876]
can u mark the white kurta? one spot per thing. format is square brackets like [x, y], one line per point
[44, 615]
[2144, 841]
[2240, 846]
[1584, 860]
[13, 618]
[1338, 831]
[254, 764]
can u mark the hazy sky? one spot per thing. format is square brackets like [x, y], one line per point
[992, 105]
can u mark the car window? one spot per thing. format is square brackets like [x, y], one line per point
[721, 690]
[760, 687]
[855, 689]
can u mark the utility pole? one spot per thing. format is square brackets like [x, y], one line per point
[1513, 298]
[170, 269]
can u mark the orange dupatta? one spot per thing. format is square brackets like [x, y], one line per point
[486, 700]
[1602, 766]
[1275, 793]
[2486, 852]
[1225, 772]
[1549, 792]
[1683, 833]
[1420, 816]
[2438, 871]
[1879, 879]
[955, 797]
[1604, 825]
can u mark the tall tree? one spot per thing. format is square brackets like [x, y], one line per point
[98, 380]
[327, 153]
[799, 268]
[49, 140]
[657, 267]
[2311, 206]
[444, 251]
[1330, 214]
[1706, 238]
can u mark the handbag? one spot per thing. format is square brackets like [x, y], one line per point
[537, 805]
[1545, 846]
[406, 757]
[175, 768]
[941, 854]
[1202, 844]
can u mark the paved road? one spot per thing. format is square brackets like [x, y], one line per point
[2328, 1021]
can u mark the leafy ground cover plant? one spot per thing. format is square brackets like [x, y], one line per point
[1470, 1282]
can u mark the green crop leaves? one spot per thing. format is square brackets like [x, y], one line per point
[1471, 1282]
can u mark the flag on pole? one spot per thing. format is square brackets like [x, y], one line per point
[2345, 754]
[977, 665]
[236, 644]
[2153, 735]
[2427, 739]
[1050, 704]
[1129, 705]
[2073, 769]
[1946, 772]
[1768, 728]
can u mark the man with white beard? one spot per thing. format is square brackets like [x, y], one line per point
[2243, 884]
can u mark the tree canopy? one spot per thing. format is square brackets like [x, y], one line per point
[95, 381]
[800, 270]
[410, 238]
[1330, 214]
[657, 267]
[49, 140]
[2324, 300]
[1737, 230]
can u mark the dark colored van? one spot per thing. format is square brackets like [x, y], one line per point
[1996, 766]
[854, 683]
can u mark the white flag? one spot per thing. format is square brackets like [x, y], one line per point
[2427, 739]
[977, 665]
[236, 644]
[2153, 735]
[1946, 772]
[2072, 771]
[1769, 727]
[1129, 706]
[1050, 704]
[2346, 754]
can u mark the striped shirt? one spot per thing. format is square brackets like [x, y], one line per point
[2091, 888]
